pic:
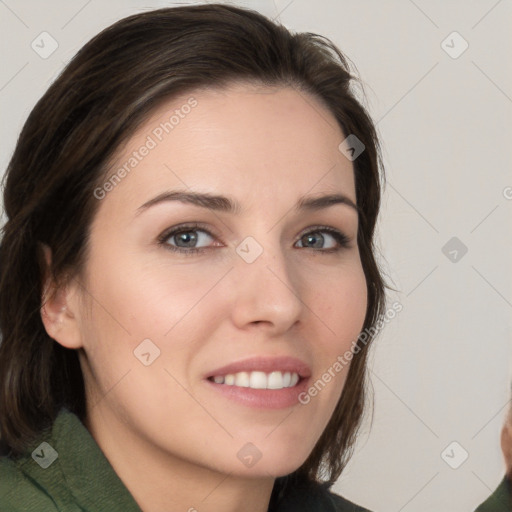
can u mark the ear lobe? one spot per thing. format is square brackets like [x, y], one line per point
[57, 310]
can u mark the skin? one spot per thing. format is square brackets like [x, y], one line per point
[265, 147]
[506, 444]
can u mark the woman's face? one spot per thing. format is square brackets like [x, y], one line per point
[176, 319]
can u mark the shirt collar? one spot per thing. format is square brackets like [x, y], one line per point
[80, 474]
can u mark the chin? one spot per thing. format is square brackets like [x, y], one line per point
[261, 470]
[272, 462]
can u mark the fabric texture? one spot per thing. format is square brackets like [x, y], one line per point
[500, 500]
[66, 471]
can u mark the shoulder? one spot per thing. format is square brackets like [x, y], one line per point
[63, 470]
[18, 492]
[500, 500]
[291, 494]
[343, 505]
[33, 480]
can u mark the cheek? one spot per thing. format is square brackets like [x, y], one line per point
[147, 299]
[340, 302]
[137, 301]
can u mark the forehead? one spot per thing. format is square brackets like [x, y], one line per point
[244, 140]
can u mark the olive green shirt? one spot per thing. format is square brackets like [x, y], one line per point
[500, 500]
[66, 471]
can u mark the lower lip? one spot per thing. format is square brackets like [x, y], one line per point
[262, 398]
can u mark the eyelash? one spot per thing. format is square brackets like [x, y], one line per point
[342, 239]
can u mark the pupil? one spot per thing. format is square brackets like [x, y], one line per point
[316, 241]
[187, 238]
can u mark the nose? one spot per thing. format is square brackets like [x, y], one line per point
[267, 290]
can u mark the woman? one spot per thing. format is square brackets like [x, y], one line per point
[501, 498]
[188, 276]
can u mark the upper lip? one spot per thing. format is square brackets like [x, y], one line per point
[264, 364]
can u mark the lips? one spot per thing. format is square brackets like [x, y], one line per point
[261, 382]
[264, 373]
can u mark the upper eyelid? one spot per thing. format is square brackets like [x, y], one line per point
[184, 228]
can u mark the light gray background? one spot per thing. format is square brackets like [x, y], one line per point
[441, 369]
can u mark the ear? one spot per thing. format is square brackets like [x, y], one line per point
[59, 308]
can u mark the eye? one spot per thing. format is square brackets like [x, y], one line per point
[191, 239]
[316, 239]
[186, 239]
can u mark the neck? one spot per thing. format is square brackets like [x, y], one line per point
[159, 481]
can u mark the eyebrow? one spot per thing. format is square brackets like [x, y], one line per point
[227, 205]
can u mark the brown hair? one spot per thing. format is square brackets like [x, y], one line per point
[108, 89]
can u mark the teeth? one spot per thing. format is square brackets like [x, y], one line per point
[242, 379]
[259, 380]
[275, 380]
